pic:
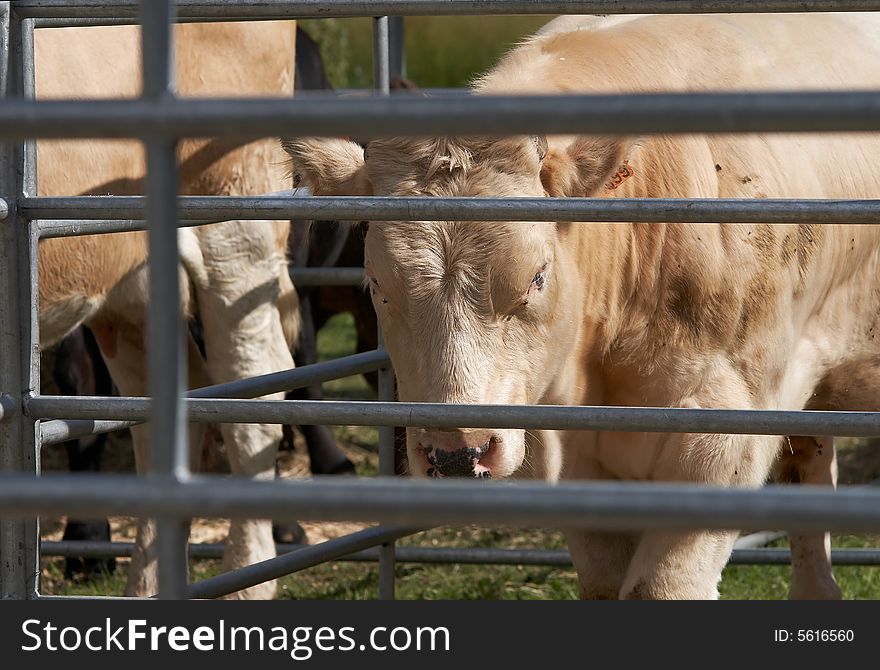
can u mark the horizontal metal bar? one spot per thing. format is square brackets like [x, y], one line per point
[295, 378]
[346, 8]
[352, 208]
[783, 557]
[54, 598]
[295, 561]
[401, 502]
[47, 229]
[439, 415]
[61, 430]
[821, 111]
[460, 555]
[67, 227]
[329, 276]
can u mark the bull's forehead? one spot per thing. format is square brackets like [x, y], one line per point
[471, 167]
[476, 265]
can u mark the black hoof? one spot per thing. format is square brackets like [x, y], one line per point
[291, 533]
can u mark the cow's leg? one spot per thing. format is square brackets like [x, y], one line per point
[79, 370]
[678, 565]
[601, 559]
[808, 460]
[122, 346]
[687, 564]
[239, 292]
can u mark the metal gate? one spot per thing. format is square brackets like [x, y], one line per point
[170, 494]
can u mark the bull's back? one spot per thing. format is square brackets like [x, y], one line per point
[223, 60]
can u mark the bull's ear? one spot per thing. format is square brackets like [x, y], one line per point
[584, 167]
[327, 166]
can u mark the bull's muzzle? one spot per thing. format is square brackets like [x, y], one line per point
[459, 463]
[458, 454]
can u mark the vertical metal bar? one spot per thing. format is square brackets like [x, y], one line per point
[381, 72]
[386, 469]
[166, 346]
[381, 83]
[19, 360]
[29, 302]
[397, 49]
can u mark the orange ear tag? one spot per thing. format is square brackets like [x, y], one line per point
[623, 173]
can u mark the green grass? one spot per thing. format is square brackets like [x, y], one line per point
[770, 582]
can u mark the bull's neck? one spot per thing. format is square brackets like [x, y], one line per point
[620, 258]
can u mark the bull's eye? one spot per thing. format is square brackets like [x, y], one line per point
[538, 281]
[537, 284]
[375, 291]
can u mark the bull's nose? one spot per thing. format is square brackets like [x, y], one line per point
[464, 462]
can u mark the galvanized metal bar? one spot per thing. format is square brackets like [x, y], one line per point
[283, 9]
[358, 208]
[19, 361]
[74, 227]
[89, 598]
[439, 415]
[166, 344]
[399, 501]
[295, 378]
[295, 561]
[29, 302]
[396, 47]
[459, 555]
[91, 22]
[57, 431]
[381, 56]
[613, 114]
[382, 86]
[61, 430]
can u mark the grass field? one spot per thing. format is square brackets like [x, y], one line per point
[349, 580]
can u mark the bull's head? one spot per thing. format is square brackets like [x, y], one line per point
[472, 313]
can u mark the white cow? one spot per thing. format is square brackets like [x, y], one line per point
[233, 275]
[724, 316]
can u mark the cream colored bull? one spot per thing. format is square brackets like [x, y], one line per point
[725, 316]
[234, 274]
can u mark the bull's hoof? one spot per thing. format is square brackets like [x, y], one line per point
[86, 569]
[291, 533]
[78, 568]
[343, 467]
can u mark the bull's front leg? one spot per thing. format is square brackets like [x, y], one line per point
[600, 558]
[808, 460]
[241, 292]
[687, 565]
